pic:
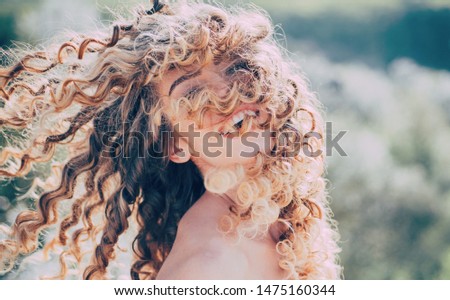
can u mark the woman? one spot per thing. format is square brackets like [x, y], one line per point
[187, 125]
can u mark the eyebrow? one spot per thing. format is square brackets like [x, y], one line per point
[183, 78]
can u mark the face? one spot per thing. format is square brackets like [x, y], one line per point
[217, 140]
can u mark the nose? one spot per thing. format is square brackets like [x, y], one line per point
[222, 90]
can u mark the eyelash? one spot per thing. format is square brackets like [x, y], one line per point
[242, 65]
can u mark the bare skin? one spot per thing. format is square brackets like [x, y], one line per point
[201, 250]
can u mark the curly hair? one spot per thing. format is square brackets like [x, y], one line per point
[89, 97]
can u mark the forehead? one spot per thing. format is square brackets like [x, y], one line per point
[210, 75]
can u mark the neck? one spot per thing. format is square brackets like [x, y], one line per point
[219, 201]
[217, 205]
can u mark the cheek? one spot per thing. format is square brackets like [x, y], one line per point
[208, 121]
[217, 150]
[252, 143]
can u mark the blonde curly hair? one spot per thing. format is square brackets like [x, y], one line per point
[84, 99]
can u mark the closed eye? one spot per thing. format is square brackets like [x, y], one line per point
[240, 65]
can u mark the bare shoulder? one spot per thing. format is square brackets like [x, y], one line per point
[216, 259]
[201, 251]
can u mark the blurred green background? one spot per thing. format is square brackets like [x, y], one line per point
[382, 70]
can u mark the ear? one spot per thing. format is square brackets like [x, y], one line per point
[179, 151]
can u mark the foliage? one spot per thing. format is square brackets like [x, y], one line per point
[391, 193]
[422, 34]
